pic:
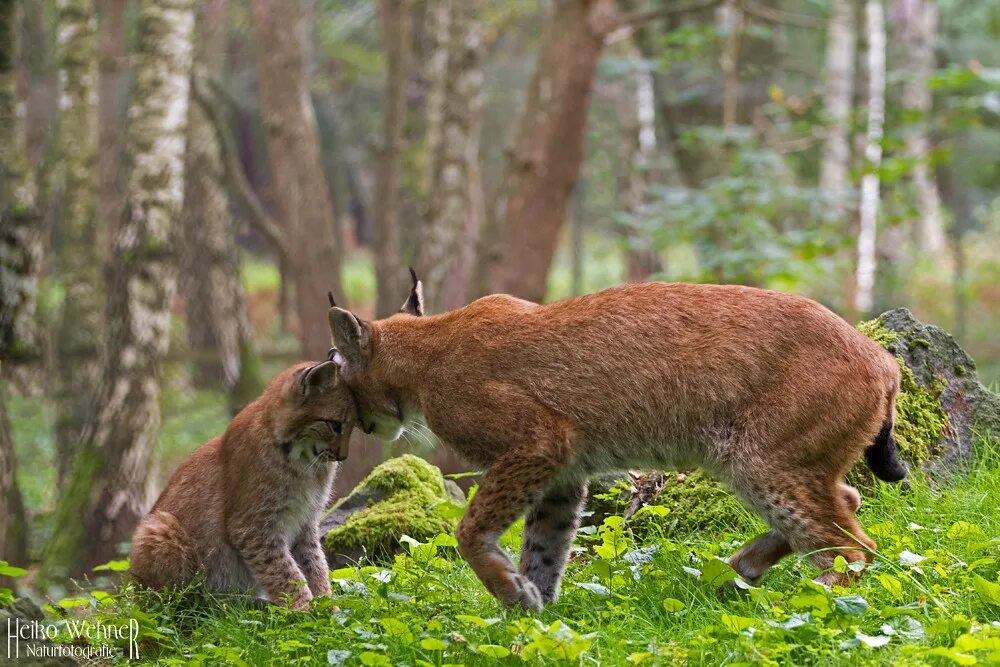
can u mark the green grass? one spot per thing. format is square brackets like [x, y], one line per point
[631, 597]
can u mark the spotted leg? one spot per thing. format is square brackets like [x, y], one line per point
[549, 530]
[512, 485]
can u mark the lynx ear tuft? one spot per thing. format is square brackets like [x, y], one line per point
[329, 295]
[319, 378]
[351, 335]
[414, 304]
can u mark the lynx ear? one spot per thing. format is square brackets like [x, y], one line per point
[351, 336]
[318, 378]
[414, 304]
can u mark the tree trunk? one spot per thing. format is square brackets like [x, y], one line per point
[544, 161]
[838, 100]
[916, 22]
[868, 211]
[13, 524]
[300, 189]
[20, 258]
[107, 490]
[731, 20]
[111, 63]
[637, 148]
[218, 329]
[395, 18]
[21, 340]
[80, 255]
[454, 110]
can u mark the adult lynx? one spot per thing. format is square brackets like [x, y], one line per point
[772, 393]
[244, 507]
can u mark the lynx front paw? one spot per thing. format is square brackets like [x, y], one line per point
[521, 593]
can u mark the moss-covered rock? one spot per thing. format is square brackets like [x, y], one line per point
[943, 410]
[698, 502]
[403, 496]
[695, 500]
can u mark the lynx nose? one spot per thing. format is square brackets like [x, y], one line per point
[340, 453]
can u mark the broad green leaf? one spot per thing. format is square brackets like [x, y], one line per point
[372, 659]
[891, 584]
[736, 623]
[672, 605]
[717, 572]
[10, 570]
[987, 590]
[113, 566]
[953, 655]
[432, 644]
[852, 605]
[493, 650]
[963, 530]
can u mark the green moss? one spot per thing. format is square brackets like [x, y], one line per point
[411, 493]
[873, 329]
[69, 535]
[698, 502]
[920, 419]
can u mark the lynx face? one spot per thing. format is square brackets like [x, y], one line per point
[319, 412]
[382, 411]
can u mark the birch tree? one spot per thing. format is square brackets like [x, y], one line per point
[454, 109]
[868, 211]
[21, 231]
[838, 94]
[107, 490]
[637, 123]
[916, 27]
[80, 258]
[111, 62]
[218, 329]
[20, 260]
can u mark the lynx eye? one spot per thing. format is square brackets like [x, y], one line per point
[335, 426]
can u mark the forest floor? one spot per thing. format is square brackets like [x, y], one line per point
[637, 592]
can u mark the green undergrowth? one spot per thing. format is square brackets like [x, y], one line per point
[920, 419]
[931, 597]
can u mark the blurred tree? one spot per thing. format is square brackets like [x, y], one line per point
[454, 209]
[915, 28]
[21, 337]
[111, 66]
[218, 330]
[108, 486]
[304, 209]
[20, 261]
[838, 99]
[869, 208]
[395, 21]
[544, 160]
[81, 242]
[637, 152]
[731, 26]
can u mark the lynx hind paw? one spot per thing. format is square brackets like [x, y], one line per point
[523, 593]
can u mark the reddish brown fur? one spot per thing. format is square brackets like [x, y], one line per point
[245, 509]
[771, 392]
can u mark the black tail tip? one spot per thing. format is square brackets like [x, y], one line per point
[882, 457]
